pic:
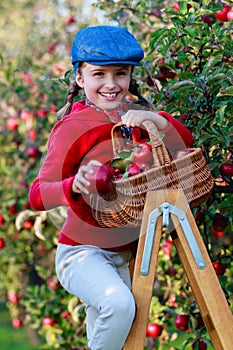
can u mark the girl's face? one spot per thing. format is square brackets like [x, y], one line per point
[105, 86]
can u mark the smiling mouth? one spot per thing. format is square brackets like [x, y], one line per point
[109, 95]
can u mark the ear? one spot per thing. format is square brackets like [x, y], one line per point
[79, 80]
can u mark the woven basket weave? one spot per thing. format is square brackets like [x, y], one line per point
[189, 173]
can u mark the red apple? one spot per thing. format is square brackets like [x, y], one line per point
[2, 220]
[16, 323]
[12, 123]
[219, 267]
[42, 112]
[101, 179]
[66, 315]
[2, 243]
[28, 224]
[70, 20]
[134, 169]
[53, 283]
[176, 6]
[181, 322]
[167, 247]
[26, 115]
[33, 134]
[154, 330]
[226, 169]
[199, 344]
[47, 321]
[230, 15]
[13, 298]
[33, 152]
[143, 153]
[221, 15]
[217, 234]
[13, 209]
[219, 222]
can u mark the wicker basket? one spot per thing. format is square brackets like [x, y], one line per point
[189, 173]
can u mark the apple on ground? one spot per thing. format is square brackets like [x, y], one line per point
[154, 330]
[182, 322]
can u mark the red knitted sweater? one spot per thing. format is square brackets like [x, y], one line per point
[83, 135]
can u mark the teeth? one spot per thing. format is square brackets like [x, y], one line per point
[112, 95]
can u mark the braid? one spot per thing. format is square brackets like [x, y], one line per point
[72, 93]
[134, 90]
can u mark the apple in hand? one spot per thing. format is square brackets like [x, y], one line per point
[101, 179]
[154, 330]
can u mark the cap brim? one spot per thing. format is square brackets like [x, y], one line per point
[107, 63]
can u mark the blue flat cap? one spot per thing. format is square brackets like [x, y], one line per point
[103, 45]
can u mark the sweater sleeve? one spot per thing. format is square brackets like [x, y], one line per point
[176, 135]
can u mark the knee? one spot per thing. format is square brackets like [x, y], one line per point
[121, 305]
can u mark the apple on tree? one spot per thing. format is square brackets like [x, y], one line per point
[154, 330]
[47, 321]
[182, 322]
[219, 267]
[17, 323]
[2, 243]
[199, 344]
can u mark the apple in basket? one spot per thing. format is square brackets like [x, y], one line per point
[101, 180]
[143, 152]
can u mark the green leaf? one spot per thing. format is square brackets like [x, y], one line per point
[215, 78]
[192, 31]
[226, 92]
[211, 63]
[182, 85]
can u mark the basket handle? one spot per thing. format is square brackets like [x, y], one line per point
[159, 151]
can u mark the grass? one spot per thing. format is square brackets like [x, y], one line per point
[11, 338]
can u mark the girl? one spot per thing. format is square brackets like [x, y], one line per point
[92, 262]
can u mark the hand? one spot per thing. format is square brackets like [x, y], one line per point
[80, 183]
[137, 117]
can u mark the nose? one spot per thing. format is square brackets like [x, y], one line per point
[110, 82]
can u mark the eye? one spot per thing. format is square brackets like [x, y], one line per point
[97, 74]
[122, 72]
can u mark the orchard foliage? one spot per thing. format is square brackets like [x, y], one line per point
[187, 72]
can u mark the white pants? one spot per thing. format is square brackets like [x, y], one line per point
[101, 279]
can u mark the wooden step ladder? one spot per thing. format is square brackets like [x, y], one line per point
[162, 209]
